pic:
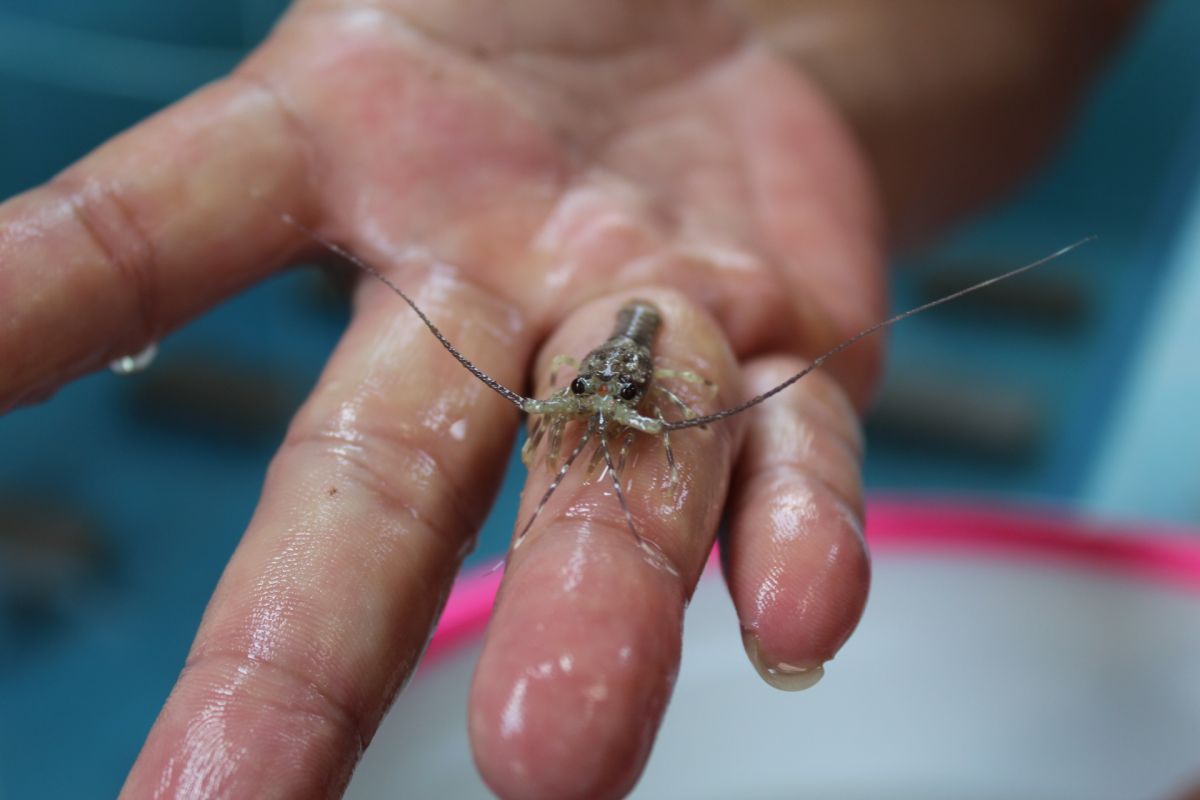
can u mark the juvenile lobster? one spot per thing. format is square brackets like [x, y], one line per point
[618, 380]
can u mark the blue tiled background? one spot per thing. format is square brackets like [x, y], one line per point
[117, 520]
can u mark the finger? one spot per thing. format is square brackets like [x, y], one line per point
[367, 511]
[818, 212]
[144, 233]
[583, 647]
[768, 206]
[795, 558]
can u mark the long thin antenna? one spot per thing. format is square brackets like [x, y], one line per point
[495, 385]
[821, 359]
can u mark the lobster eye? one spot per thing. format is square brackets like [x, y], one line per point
[578, 386]
[629, 392]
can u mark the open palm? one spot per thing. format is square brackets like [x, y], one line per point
[522, 170]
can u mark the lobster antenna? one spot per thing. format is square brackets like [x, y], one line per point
[821, 359]
[493, 384]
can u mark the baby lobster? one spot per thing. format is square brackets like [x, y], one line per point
[618, 377]
[612, 382]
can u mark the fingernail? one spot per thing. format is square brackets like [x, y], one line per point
[781, 675]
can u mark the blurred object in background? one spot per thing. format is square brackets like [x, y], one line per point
[51, 557]
[208, 394]
[1040, 300]
[969, 415]
[1073, 386]
[1005, 655]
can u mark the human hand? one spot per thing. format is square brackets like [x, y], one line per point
[523, 174]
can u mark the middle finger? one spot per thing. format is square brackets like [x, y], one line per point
[584, 644]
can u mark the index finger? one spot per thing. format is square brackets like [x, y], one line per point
[144, 233]
[368, 508]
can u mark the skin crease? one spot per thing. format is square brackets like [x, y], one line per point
[522, 168]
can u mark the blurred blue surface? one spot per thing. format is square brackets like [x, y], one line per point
[1126, 174]
[1146, 464]
[155, 511]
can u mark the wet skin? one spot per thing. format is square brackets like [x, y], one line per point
[522, 175]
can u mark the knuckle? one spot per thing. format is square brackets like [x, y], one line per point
[841, 488]
[819, 399]
[107, 222]
[389, 462]
[293, 120]
[287, 693]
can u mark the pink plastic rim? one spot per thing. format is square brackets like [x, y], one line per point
[1156, 554]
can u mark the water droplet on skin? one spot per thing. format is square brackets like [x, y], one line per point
[786, 677]
[128, 365]
[512, 718]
